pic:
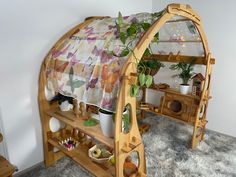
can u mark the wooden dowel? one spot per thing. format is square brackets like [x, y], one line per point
[178, 20]
[179, 58]
[180, 41]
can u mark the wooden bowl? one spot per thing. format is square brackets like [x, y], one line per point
[98, 160]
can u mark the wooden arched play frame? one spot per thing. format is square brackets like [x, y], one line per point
[123, 144]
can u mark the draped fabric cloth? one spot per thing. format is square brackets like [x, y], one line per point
[88, 67]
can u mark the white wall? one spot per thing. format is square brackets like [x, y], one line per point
[218, 19]
[28, 29]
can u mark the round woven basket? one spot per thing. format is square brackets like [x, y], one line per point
[153, 72]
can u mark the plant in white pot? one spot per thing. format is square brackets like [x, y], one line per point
[107, 122]
[186, 73]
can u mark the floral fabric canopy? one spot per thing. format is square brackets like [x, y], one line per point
[88, 65]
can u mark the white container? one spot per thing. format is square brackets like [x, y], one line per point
[184, 89]
[106, 123]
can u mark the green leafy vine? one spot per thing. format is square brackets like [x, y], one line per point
[127, 34]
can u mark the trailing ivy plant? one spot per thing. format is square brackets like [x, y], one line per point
[127, 34]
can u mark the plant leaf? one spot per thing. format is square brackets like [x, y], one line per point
[141, 79]
[120, 19]
[123, 37]
[149, 80]
[145, 26]
[124, 52]
[131, 30]
[156, 37]
[90, 122]
[147, 52]
[134, 90]
[125, 118]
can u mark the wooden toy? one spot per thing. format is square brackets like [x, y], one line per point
[125, 143]
[143, 128]
[197, 84]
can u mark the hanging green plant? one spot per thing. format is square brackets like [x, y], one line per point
[127, 34]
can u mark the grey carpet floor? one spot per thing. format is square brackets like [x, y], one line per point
[168, 154]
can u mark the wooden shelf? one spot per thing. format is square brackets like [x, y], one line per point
[68, 117]
[80, 155]
[150, 106]
[174, 91]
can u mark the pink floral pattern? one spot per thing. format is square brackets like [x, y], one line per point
[86, 68]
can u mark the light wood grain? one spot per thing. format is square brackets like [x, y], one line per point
[80, 155]
[69, 118]
[125, 143]
[6, 169]
[1, 137]
[179, 58]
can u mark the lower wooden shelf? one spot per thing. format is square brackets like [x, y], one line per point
[80, 155]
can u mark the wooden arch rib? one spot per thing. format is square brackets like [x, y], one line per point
[123, 140]
[171, 11]
[49, 157]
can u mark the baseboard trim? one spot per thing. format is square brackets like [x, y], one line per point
[28, 169]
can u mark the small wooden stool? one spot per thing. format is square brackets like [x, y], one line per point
[6, 169]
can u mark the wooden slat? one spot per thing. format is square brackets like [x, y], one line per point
[178, 20]
[80, 155]
[179, 58]
[69, 118]
[178, 41]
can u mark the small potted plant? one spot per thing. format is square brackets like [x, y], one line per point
[186, 73]
[107, 122]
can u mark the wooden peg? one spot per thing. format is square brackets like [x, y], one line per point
[76, 109]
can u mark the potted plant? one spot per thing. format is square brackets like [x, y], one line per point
[107, 122]
[186, 73]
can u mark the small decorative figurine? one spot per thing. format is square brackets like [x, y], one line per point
[83, 110]
[197, 84]
[77, 110]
